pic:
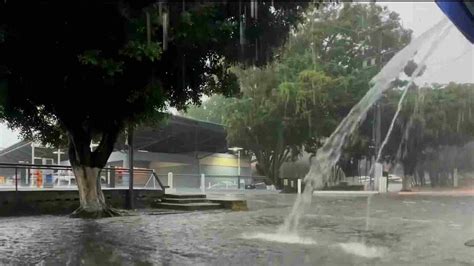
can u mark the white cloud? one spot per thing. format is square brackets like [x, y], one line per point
[418, 16]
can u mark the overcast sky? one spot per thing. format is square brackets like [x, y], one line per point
[453, 62]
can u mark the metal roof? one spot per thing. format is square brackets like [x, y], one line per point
[21, 151]
[180, 135]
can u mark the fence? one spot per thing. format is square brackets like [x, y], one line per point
[42, 177]
[38, 177]
[203, 183]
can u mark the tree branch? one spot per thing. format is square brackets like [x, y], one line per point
[81, 145]
[105, 148]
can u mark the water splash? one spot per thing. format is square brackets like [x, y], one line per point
[363, 250]
[415, 74]
[328, 155]
[281, 238]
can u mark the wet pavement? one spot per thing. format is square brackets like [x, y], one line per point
[337, 230]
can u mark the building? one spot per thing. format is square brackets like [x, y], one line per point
[185, 147]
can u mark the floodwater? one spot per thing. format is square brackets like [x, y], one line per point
[337, 230]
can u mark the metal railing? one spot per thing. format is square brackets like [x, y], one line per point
[29, 177]
[203, 182]
[40, 177]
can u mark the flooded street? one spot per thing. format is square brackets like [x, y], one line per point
[363, 110]
[399, 231]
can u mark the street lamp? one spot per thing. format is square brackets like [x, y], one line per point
[237, 149]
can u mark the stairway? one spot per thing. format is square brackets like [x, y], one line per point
[187, 202]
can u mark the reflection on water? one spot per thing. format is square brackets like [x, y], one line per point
[367, 213]
[332, 233]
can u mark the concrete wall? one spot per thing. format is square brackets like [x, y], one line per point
[66, 201]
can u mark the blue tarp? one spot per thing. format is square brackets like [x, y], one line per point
[461, 13]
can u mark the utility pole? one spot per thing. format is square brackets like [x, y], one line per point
[377, 122]
[238, 169]
[237, 149]
[130, 167]
[378, 115]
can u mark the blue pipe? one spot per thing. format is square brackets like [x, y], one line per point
[461, 15]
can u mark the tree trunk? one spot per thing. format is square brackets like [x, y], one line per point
[275, 177]
[406, 183]
[86, 165]
[92, 201]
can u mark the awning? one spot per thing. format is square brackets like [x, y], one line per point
[461, 13]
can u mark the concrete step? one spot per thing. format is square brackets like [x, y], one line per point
[189, 206]
[184, 200]
[186, 196]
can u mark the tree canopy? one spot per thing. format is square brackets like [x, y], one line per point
[82, 72]
[432, 118]
[296, 102]
[323, 70]
[118, 62]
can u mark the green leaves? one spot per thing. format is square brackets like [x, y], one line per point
[93, 58]
[212, 110]
[296, 102]
[90, 57]
[134, 49]
[142, 51]
[203, 24]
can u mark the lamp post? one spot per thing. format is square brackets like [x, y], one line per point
[237, 149]
[33, 157]
[32, 153]
[59, 152]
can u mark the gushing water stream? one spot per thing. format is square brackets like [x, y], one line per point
[433, 47]
[328, 155]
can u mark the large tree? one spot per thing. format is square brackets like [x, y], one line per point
[438, 119]
[264, 120]
[319, 75]
[211, 110]
[434, 120]
[82, 72]
[342, 46]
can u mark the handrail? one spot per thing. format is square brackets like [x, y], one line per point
[227, 176]
[163, 187]
[28, 167]
[38, 166]
[63, 167]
